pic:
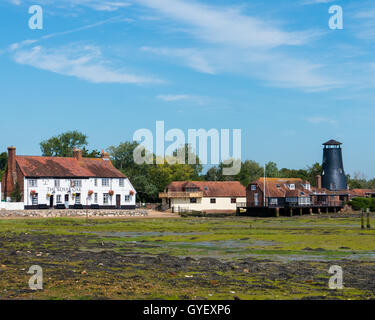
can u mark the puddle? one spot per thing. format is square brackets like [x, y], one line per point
[134, 234]
[225, 244]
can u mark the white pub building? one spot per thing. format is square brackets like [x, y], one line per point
[62, 183]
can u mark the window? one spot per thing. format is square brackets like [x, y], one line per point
[213, 200]
[253, 187]
[95, 182]
[127, 198]
[57, 183]
[58, 198]
[273, 201]
[121, 182]
[33, 183]
[277, 186]
[193, 200]
[105, 198]
[233, 200]
[292, 186]
[205, 188]
[76, 183]
[256, 199]
[95, 197]
[105, 182]
[34, 199]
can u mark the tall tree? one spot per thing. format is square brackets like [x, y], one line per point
[63, 145]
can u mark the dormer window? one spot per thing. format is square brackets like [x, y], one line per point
[292, 186]
[253, 187]
[278, 186]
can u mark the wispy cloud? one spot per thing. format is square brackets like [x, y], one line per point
[240, 44]
[182, 97]
[307, 2]
[85, 63]
[320, 120]
[225, 25]
[98, 5]
[193, 58]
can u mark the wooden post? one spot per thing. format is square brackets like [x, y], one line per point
[319, 211]
[300, 211]
[311, 211]
[277, 212]
[362, 219]
[291, 212]
[368, 219]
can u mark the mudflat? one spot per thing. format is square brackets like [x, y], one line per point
[187, 258]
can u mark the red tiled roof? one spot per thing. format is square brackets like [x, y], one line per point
[361, 192]
[211, 188]
[277, 187]
[58, 167]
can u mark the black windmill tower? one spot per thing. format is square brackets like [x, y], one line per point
[333, 175]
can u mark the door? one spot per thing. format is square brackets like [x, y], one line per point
[256, 199]
[118, 201]
[66, 200]
[51, 201]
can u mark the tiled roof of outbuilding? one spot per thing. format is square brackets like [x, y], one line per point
[211, 188]
[58, 167]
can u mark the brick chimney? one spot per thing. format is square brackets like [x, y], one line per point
[319, 181]
[11, 172]
[77, 154]
[105, 155]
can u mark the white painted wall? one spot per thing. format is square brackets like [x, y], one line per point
[12, 206]
[47, 186]
[222, 203]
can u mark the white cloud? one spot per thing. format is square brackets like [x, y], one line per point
[98, 5]
[225, 25]
[173, 97]
[183, 97]
[320, 120]
[242, 45]
[85, 63]
[316, 1]
[16, 2]
[193, 58]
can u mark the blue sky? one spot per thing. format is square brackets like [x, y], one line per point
[271, 68]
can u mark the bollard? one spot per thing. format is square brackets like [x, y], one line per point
[300, 212]
[277, 212]
[291, 212]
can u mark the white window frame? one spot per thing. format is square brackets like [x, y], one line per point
[121, 182]
[253, 187]
[105, 198]
[57, 183]
[95, 197]
[127, 198]
[58, 199]
[77, 183]
[105, 182]
[33, 183]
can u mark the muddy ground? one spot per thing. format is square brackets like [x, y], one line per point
[78, 265]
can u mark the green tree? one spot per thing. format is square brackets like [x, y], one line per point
[16, 195]
[3, 163]
[250, 171]
[271, 170]
[63, 145]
